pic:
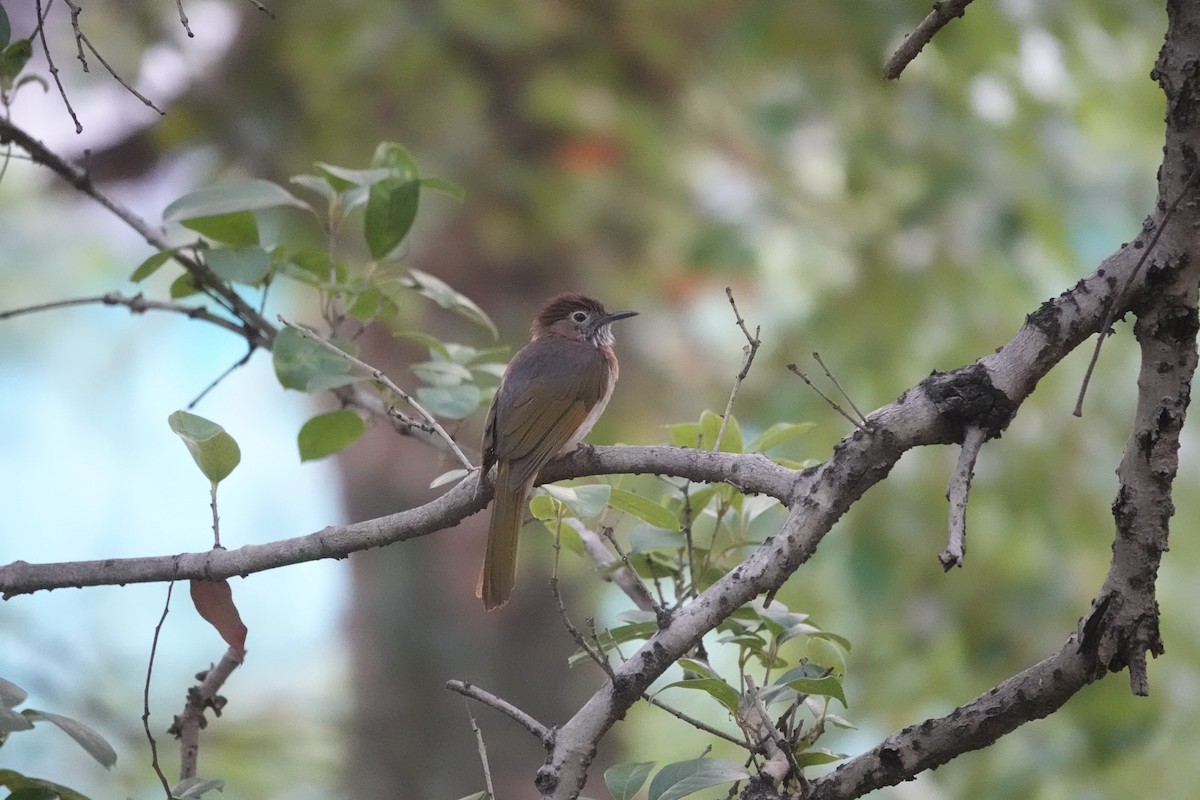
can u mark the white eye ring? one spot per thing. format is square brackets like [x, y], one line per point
[579, 316]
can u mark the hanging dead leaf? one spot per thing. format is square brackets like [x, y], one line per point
[214, 601]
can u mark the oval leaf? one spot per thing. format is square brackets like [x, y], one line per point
[95, 744]
[11, 694]
[624, 780]
[721, 691]
[250, 195]
[777, 434]
[246, 265]
[325, 434]
[391, 210]
[828, 686]
[687, 777]
[306, 366]
[239, 229]
[189, 788]
[150, 265]
[451, 402]
[644, 509]
[214, 450]
[214, 601]
[585, 502]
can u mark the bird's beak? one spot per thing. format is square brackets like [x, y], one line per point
[616, 315]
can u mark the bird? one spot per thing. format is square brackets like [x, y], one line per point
[550, 396]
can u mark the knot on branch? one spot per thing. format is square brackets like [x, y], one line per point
[1118, 633]
[967, 398]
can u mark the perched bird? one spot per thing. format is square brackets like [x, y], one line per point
[550, 396]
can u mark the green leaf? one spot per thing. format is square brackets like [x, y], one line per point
[777, 434]
[685, 434]
[644, 509]
[247, 265]
[13, 59]
[687, 777]
[214, 450]
[391, 210]
[306, 366]
[151, 265]
[710, 426]
[249, 195]
[238, 229]
[721, 691]
[11, 695]
[451, 402]
[26, 788]
[825, 653]
[546, 508]
[441, 293]
[636, 631]
[828, 686]
[644, 538]
[326, 434]
[395, 159]
[815, 758]
[95, 744]
[183, 286]
[343, 178]
[585, 502]
[625, 780]
[445, 187]
[447, 477]
[441, 373]
[189, 788]
[5, 28]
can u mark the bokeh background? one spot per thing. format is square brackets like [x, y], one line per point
[651, 154]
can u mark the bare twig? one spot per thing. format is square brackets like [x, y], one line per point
[183, 20]
[483, 759]
[53, 68]
[695, 723]
[751, 348]
[841, 391]
[241, 362]
[200, 698]
[862, 424]
[1118, 299]
[137, 304]
[146, 695]
[262, 8]
[622, 575]
[216, 519]
[256, 329]
[378, 375]
[956, 493]
[544, 734]
[943, 11]
[594, 653]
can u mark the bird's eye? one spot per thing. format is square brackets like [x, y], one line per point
[579, 316]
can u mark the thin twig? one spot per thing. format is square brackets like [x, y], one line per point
[956, 493]
[943, 12]
[828, 374]
[596, 654]
[695, 723]
[378, 375]
[623, 574]
[257, 330]
[751, 348]
[215, 517]
[544, 734]
[483, 759]
[137, 304]
[1119, 297]
[262, 8]
[241, 362]
[200, 698]
[830, 401]
[146, 695]
[183, 20]
[54, 68]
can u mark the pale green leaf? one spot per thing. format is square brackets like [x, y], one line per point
[326, 434]
[249, 195]
[95, 744]
[625, 780]
[643, 508]
[688, 777]
[213, 450]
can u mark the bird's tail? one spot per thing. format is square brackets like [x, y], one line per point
[500, 561]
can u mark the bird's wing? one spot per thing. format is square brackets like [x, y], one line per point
[546, 395]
